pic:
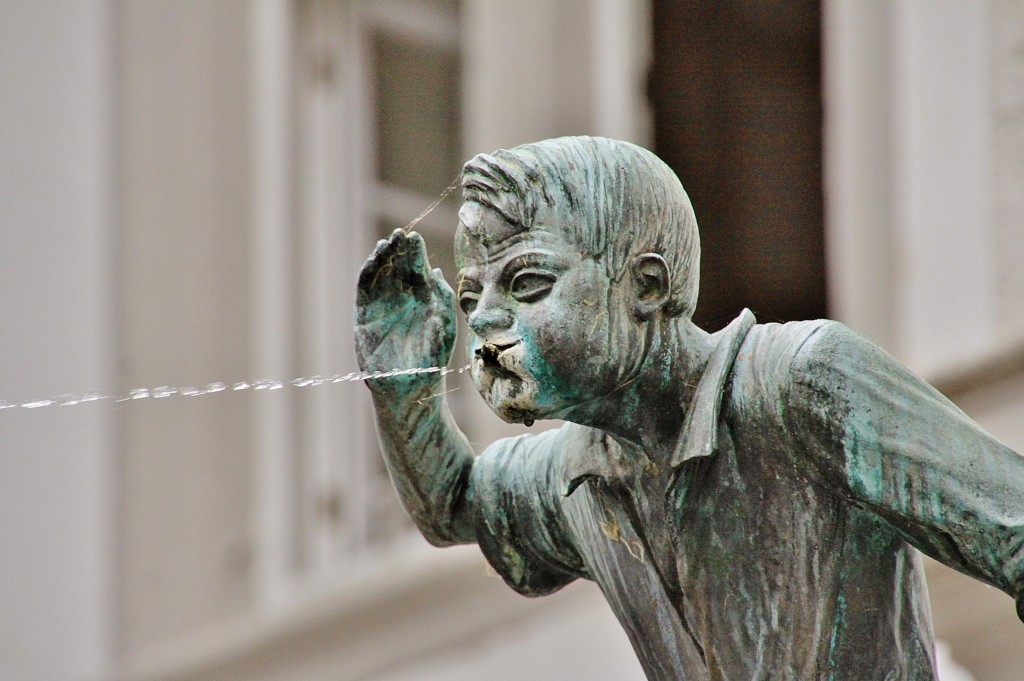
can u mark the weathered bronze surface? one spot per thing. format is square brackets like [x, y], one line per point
[747, 501]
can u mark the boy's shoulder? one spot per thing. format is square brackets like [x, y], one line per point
[770, 352]
[775, 357]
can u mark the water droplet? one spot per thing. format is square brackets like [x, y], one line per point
[4, 404]
[163, 391]
[268, 384]
[190, 391]
[241, 385]
[215, 387]
[35, 404]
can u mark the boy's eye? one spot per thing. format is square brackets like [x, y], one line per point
[529, 286]
[467, 301]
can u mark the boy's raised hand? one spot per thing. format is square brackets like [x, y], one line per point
[405, 313]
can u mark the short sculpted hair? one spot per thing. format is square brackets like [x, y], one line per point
[615, 200]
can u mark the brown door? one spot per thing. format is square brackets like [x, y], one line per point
[736, 90]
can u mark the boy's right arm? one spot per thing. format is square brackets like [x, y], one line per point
[405, 318]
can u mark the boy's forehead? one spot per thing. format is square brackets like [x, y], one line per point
[483, 226]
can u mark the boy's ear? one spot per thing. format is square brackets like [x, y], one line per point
[651, 285]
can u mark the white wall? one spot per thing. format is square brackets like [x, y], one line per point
[923, 169]
[943, 155]
[56, 231]
[185, 467]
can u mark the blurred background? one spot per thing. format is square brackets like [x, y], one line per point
[187, 190]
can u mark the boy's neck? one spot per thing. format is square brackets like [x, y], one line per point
[648, 411]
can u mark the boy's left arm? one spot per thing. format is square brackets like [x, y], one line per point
[886, 440]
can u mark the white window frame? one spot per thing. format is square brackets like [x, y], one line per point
[307, 188]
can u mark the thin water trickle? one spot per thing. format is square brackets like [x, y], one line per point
[264, 384]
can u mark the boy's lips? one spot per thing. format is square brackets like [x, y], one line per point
[490, 353]
[501, 359]
[504, 381]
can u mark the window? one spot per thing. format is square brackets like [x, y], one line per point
[376, 136]
[265, 146]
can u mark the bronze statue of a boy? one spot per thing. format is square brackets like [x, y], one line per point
[746, 500]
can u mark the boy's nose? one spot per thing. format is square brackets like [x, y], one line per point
[487, 319]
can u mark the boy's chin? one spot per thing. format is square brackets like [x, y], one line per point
[518, 399]
[522, 408]
[514, 410]
[515, 415]
[513, 407]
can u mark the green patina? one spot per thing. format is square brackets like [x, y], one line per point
[838, 623]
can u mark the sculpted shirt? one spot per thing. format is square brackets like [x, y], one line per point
[776, 542]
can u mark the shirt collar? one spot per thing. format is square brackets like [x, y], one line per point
[597, 457]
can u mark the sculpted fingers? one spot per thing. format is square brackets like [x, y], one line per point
[442, 290]
[380, 260]
[444, 316]
[396, 278]
[417, 266]
[394, 270]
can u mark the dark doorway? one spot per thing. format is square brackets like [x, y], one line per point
[736, 90]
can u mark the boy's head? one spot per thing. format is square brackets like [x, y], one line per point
[613, 199]
[557, 241]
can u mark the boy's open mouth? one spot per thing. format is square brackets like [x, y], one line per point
[490, 357]
[502, 380]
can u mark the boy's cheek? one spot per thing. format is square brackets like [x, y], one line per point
[553, 369]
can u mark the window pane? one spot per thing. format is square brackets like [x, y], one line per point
[417, 110]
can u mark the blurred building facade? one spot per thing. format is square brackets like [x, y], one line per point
[190, 187]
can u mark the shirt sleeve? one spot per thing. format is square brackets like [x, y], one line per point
[885, 440]
[517, 513]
